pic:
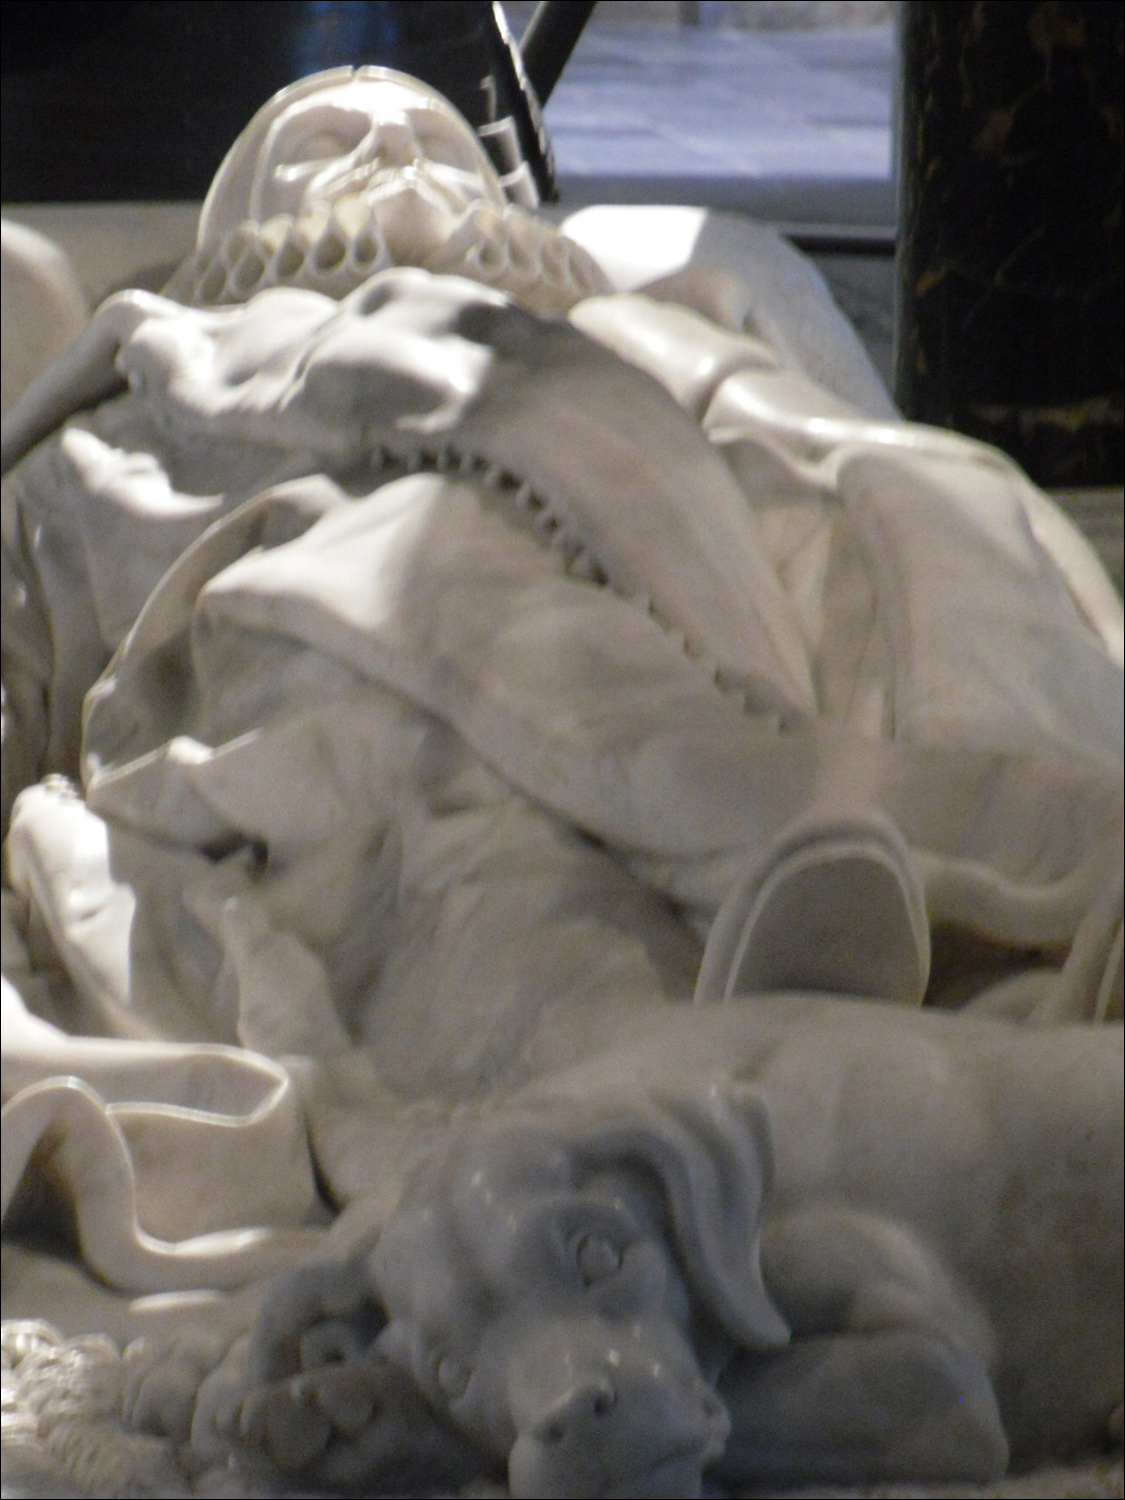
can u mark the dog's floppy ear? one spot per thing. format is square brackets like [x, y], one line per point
[713, 1154]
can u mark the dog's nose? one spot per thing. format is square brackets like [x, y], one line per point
[589, 1398]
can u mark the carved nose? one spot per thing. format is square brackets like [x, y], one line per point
[577, 1413]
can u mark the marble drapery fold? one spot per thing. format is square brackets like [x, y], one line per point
[430, 676]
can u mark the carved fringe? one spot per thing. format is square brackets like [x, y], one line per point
[334, 251]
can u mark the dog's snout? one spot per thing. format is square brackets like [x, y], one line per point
[588, 1399]
[610, 1410]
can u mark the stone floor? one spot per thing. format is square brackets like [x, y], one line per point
[792, 126]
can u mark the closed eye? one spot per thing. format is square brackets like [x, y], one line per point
[452, 1377]
[595, 1255]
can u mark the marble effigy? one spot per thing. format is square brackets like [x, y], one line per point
[413, 695]
[353, 170]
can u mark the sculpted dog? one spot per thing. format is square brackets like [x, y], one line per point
[789, 1241]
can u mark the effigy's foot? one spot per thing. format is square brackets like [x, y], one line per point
[834, 905]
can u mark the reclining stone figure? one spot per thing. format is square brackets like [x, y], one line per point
[444, 682]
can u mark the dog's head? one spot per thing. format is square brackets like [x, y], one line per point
[565, 1286]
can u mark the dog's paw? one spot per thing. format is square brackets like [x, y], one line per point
[284, 1423]
[218, 1405]
[303, 1394]
[343, 1424]
[162, 1377]
[318, 1314]
[337, 1410]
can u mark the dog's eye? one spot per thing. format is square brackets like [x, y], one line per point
[596, 1256]
[452, 1377]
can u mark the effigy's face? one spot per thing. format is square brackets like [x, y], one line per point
[347, 172]
[353, 138]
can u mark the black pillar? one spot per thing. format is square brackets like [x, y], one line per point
[1009, 276]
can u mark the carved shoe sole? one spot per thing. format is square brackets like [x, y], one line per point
[834, 906]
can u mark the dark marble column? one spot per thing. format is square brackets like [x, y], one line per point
[1009, 276]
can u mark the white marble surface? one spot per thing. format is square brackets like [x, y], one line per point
[185, 770]
[427, 677]
[43, 306]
